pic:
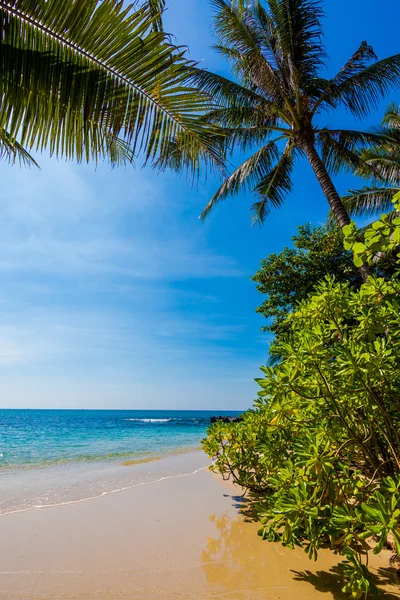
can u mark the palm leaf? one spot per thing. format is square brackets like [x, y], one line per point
[157, 8]
[384, 161]
[72, 70]
[275, 186]
[227, 93]
[298, 37]
[391, 117]
[12, 151]
[247, 175]
[356, 63]
[369, 200]
[245, 116]
[239, 34]
[341, 148]
[363, 91]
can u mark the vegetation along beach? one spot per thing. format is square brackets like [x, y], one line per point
[200, 299]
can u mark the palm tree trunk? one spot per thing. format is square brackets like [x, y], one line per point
[326, 183]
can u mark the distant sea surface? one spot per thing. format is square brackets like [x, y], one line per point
[32, 438]
[52, 457]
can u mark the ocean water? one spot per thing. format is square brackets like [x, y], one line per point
[50, 457]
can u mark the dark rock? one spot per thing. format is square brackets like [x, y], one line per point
[226, 419]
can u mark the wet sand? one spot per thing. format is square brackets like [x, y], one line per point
[181, 537]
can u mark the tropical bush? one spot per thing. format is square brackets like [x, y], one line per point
[321, 447]
[290, 276]
[380, 240]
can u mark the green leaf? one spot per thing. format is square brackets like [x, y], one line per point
[358, 261]
[359, 248]
[377, 225]
[373, 513]
[348, 229]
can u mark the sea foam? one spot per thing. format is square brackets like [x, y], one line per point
[150, 420]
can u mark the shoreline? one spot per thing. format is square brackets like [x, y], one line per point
[178, 537]
[124, 458]
[103, 494]
[90, 480]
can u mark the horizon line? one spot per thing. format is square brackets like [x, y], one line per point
[132, 409]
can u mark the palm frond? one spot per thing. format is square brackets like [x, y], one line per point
[275, 186]
[71, 70]
[177, 156]
[380, 163]
[227, 93]
[362, 91]
[341, 148]
[245, 117]
[245, 127]
[239, 35]
[369, 200]
[246, 176]
[384, 161]
[117, 150]
[12, 151]
[231, 54]
[391, 118]
[298, 37]
[157, 8]
[356, 63]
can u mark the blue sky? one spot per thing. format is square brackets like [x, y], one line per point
[114, 295]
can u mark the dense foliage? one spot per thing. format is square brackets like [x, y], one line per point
[321, 447]
[381, 241]
[290, 276]
[88, 78]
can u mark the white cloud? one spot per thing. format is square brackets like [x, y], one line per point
[134, 258]
[100, 336]
[96, 284]
[70, 220]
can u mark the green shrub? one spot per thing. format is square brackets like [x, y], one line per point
[321, 447]
[290, 276]
[380, 240]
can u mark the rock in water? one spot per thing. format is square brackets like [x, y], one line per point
[224, 419]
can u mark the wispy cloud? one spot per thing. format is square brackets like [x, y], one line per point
[133, 258]
[102, 279]
[62, 220]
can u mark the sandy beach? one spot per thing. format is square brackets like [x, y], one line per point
[179, 536]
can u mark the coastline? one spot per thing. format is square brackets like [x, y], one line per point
[179, 535]
[24, 489]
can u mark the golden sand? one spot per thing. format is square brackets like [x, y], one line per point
[179, 538]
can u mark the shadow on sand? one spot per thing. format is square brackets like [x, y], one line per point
[331, 581]
[235, 544]
[245, 505]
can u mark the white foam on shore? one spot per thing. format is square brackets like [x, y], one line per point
[150, 420]
[103, 494]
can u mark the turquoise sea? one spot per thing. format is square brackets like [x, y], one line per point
[52, 457]
[31, 438]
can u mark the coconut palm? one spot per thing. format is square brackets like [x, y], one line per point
[93, 78]
[275, 104]
[385, 164]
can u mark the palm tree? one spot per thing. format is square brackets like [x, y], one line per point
[89, 78]
[276, 102]
[385, 177]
